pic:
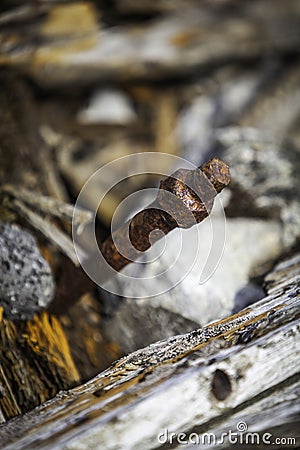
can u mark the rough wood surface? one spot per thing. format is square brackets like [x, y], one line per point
[35, 358]
[178, 67]
[171, 44]
[35, 363]
[205, 381]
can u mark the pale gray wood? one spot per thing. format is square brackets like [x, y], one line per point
[175, 43]
[170, 384]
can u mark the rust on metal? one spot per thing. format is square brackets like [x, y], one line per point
[184, 199]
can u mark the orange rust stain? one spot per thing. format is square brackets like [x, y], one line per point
[184, 38]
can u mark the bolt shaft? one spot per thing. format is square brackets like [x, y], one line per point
[184, 199]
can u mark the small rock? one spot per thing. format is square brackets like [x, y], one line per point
[263, 220]
[108, 107]
[249, 244]
[134, 325]
[26, 281]
[212, 105]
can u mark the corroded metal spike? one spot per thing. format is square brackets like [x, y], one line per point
[184, 198]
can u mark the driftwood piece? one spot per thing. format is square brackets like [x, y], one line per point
[173, 44]
[205, 381]
[35, 361]
[25, 160]
[48, 229]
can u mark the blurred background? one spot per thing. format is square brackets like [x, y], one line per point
[84, 83]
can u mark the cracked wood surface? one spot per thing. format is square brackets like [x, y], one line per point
[243, 367]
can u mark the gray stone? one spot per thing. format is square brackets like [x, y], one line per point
[249, 245]
[133, 325]
[234, 373]
[265, 178]
[26, 281]
[108, 106]
[263, 220]
[215, 102]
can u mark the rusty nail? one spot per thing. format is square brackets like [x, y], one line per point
[191, 200]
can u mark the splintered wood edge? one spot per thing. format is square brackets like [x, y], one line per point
[33, 373]
[177, 382]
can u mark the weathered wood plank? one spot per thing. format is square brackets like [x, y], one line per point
[205, 380]
[35, 358]
[35, 361]
[173, 44]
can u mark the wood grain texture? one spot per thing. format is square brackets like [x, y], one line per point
[239, 368]
[35, 363]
